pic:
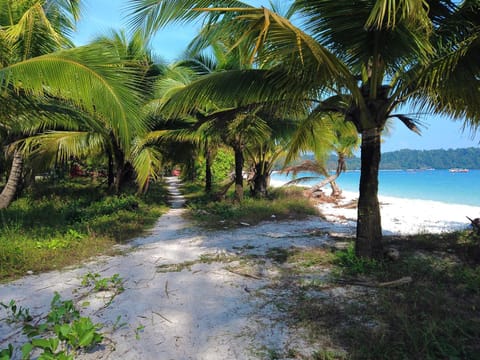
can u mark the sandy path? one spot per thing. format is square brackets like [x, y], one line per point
[203, 312]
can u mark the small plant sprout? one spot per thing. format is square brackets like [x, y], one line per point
[115, 282]
[16, 313]
[59, 335]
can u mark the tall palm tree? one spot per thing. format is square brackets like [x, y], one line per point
[374, 55]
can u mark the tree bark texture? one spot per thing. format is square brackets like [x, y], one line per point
[369, 229]
[238, 173]
[110, 175]
[260, 180]
[208, 171]
[14, 178]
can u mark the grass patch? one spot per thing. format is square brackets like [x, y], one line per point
[282, 204]
[351, 265]
[436, 316]
[54, 226]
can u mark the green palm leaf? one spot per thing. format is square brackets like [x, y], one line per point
[151, 15]
[54, 145]
[147, 162]
[91, 78]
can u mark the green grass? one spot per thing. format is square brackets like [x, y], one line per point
[281, 204]
[53, 226]
[436, 316]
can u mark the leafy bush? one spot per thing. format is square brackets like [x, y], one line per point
[350, 264]
[222, 166]
[60, 336]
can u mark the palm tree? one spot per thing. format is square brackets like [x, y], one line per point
[136, 55]
[373, 55]
[321, 134]
[95, 135]
[263, 152]
[28, 29]
[215, 121]
[190, 130]
[39, 64]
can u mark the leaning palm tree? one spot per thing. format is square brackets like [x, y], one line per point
[373, 55]
[337, 137]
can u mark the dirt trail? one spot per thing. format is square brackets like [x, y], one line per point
[181, 299]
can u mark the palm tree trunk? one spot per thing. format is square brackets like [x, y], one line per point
[369, 229]
[110, 175]
[336, 191]
[238, 173]
[119, 169]
[328, 180]
[260, 180]
[117, 184]
[10, 189]
[208, 170]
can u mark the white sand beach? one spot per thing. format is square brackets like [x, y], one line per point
[403, 216]
[408, 216]
[206, 310]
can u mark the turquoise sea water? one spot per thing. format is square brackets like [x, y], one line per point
[438, 185]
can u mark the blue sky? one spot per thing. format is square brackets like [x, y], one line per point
[100, 16]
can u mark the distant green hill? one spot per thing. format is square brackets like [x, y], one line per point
[422, 159]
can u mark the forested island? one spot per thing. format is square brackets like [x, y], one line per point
[468, 158]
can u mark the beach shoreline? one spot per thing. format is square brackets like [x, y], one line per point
[402, 216]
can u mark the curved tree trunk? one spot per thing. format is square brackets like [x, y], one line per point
[238, 173]
[336, 191]
[369, 229]
[328, 180]
[10, 189]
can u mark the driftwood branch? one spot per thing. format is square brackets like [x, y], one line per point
[394, 283]
[166, 289]
[244, 274]
[475, 224]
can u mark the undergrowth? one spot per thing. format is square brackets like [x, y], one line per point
[281, 204]
[435, 316]
[53, 226]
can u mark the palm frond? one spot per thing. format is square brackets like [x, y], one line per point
[315, 133]
[411, 123]
[235, 89]
[147, 164]
[304, 166]
[386, 13]
[92, 79]
[61, 145]
[441, 87]
[151, 15]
